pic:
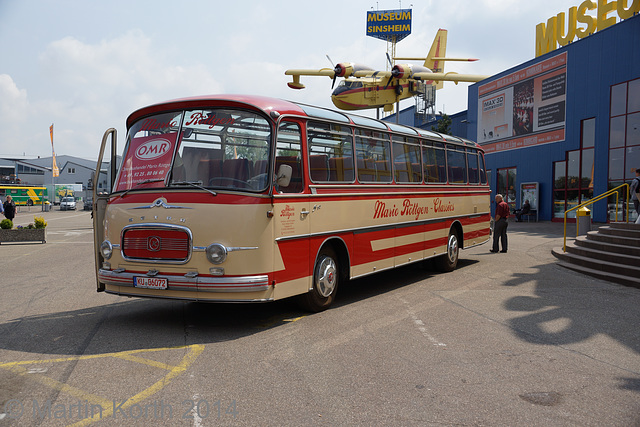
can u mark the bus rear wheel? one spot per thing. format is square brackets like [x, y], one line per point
[449, 261]
[326, 275]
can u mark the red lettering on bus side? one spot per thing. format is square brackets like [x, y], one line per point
[413, 209]
[438, 206]
[381, 210]
[287, 212]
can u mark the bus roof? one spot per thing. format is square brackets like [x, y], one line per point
[281, 107]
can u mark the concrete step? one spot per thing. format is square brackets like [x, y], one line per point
[634, 251]
[611, 252]
[615, 278]
[623, 232]
[616, 240]
[598, 260]
[624, 225]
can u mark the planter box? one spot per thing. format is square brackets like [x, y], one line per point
[23, 235]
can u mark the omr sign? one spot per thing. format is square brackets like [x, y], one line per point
[554, 33]
[152, 149]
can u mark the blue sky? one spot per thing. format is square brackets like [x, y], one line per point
[85, 65]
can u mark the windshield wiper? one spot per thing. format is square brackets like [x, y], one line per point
[196, 184]
[147, 181]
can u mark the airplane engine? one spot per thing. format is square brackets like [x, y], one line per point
[346, 69]
[406, 71]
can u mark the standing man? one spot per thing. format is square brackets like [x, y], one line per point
[500, 224]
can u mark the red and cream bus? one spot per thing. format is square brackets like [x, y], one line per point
[245, 198]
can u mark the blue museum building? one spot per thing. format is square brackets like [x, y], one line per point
[564, 127]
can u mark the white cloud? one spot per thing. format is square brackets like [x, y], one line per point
[86, 76]
[91, 87]
[14, 101]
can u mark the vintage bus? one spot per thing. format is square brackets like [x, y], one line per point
[24, 195]
[246, 198]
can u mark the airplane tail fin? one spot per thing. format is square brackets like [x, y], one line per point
[438, 51]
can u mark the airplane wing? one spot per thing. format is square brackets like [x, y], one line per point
[343, 69]
[449, 77]
[407, 71]
[329, 72]
[296, 73]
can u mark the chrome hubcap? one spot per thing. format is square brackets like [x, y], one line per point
[452, 248]
[326, 277]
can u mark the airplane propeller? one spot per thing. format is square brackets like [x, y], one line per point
[347, 69]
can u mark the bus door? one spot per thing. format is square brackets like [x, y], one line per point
[100, 201]
[291, 215]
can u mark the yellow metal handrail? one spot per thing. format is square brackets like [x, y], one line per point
[592, 201]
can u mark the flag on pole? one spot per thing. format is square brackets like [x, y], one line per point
[54, 167]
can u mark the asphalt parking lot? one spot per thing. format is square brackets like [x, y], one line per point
[505, 339]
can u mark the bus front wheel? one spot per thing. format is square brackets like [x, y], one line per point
[449, 261]
[326, 275]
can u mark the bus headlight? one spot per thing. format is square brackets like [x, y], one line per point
[216, 253]
[106, 249]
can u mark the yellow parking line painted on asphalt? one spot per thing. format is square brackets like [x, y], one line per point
[193, 352]
[57, 385]
[143, 361]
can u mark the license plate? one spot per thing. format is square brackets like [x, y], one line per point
[150, 283]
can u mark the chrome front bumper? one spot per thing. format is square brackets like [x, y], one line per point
[259, 283]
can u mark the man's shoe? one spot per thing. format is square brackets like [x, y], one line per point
[503, 252]
[493, 251]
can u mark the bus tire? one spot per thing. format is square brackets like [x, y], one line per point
[29, 202]
[326, 275]
[449, 261]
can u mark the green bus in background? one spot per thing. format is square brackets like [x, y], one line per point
[24, 196]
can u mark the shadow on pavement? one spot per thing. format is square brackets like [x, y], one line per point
[569, 308]
[117, 327]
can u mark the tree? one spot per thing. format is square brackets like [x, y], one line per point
[443, 125]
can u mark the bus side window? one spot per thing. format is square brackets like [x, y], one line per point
[472, 162]
[289, 152]
[433, 162]
[330, 152]
[483, 170]
[456, 165]
[373, 151]
[406, 158]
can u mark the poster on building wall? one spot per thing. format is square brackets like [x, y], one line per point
[525, 108]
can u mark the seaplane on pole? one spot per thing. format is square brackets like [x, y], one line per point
[363, 87]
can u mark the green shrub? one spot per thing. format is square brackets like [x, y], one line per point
[6, 224]
[39, 222]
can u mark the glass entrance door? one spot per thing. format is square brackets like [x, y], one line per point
[507, 186]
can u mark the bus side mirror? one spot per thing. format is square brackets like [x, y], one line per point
[283, 176]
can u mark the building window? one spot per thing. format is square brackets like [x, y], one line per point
[573, 177]
[71, 171]
[27, 170]
[624, 140]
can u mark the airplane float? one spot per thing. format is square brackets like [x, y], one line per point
[364, 88]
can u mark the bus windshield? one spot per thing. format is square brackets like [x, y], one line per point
[214, 148]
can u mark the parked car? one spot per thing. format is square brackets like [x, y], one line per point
[88, 205]
[68, 203]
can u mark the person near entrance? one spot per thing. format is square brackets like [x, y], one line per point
[500, 224]
[633, 189]
[526, 208]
